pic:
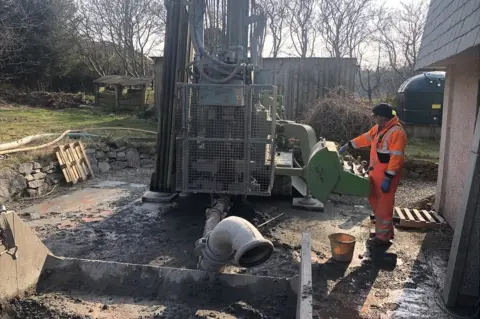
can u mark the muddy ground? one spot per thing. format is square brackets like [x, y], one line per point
[104, 219]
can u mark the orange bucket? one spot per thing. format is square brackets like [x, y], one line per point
[343, 246]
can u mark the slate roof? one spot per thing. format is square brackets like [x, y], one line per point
[452, 26]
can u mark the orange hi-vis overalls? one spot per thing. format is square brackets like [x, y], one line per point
[386, 160]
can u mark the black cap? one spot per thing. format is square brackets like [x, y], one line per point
[384, 109]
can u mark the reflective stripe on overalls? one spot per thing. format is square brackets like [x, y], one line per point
[382, 203]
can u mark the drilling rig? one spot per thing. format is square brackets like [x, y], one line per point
[221, 129]
[221, 132]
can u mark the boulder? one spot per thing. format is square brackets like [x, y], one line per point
[92, 159]
[103, 167]
[37, 165]
[95, 169]
[147, 150]
[29, 177]
[11, 184]
[32, 192]
[119, 142]
[53, 179]
[147, 163]
[36, 184]
[100, 155]
[26, 168]
[119, 165]
[133, 158]
[39, 175]
[121, 155]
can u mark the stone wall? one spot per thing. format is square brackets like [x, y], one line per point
[40, 177]
[104, 158]
[37, 178]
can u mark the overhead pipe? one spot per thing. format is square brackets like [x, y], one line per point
[233, 241]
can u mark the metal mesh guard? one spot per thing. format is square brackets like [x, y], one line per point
[225, 139]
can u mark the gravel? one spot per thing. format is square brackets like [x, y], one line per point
[409, 193]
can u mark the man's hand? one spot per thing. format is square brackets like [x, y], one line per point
[344, 148]
[386, 184]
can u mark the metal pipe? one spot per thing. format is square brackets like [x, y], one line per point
[233, 240]
[215, 215]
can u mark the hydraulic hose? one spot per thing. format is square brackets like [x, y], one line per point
[235, 72]
[33, 148]
[199, 48]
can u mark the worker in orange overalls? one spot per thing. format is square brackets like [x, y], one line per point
[387, 140]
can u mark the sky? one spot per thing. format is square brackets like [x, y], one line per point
[370, 56]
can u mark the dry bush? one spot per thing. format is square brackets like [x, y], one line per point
[339, 118]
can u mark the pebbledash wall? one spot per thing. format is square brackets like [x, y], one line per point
[37, 178]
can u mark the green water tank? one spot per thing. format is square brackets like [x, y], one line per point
[420, 99]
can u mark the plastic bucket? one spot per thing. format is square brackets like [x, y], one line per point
[343, 246]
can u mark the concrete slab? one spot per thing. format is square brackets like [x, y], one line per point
[308, 204]
[305, 289]
[154, 197]
[21, 265]
[109, 184]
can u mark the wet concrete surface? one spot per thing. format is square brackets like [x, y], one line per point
[105, 220]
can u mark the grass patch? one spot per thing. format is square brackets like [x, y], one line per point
[16, 123]
[19, 122]
[423, 149]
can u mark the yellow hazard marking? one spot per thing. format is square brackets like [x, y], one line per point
[436, 106]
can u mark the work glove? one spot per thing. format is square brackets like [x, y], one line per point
[344, 148]
[386, 184]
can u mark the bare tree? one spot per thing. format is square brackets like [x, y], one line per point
[344, 25]
[400, 32]
[302, 26]
[276, 12]
[15, 22]
[35, 36]
[370, 78]
[124, 31]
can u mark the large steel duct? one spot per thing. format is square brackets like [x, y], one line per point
[233, 240]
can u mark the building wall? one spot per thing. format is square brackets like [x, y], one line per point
[459, 114]
[423, 131]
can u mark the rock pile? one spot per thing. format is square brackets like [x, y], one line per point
[40, 178]
[12, 184]
[56, 100]
[104, 158]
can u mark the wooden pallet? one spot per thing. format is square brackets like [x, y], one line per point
[74, 162]
[414, 218]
